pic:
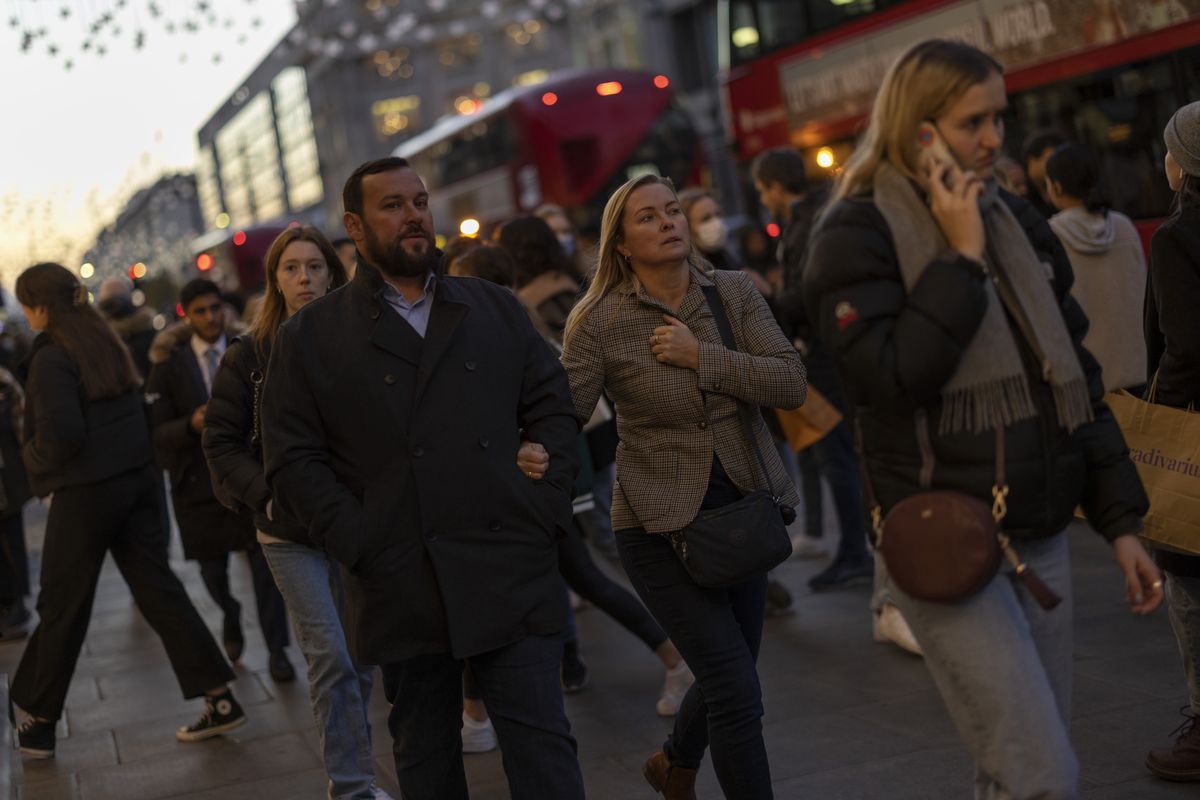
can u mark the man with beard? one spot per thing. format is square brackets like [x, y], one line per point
[391, 415]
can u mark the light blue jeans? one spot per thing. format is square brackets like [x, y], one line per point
[1002, 665]
[338, 688]
[1183, 605]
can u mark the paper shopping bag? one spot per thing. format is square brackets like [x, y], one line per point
[1164, 443]
[805, 426]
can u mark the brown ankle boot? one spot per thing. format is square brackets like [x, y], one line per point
[1181, 762]
[674, 783]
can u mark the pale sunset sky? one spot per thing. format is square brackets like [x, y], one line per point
[76, 144]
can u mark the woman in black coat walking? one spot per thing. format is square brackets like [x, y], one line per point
[300, 267]
[87, 444]
[964, 361]
[1173, 342]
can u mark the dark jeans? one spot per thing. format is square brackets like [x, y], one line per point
[272, 613]
[810, 486]
[14, 562]
[718, 632]
[837, 461]
[120, 515]
[520, 685]
[589, 582]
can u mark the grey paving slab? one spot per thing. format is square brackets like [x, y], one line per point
[307, 783]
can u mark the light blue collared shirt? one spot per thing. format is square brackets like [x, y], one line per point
[415, 314]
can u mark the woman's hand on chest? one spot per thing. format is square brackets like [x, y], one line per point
[675, 344]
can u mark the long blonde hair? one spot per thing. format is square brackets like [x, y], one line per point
[611, 270]
[921, 85]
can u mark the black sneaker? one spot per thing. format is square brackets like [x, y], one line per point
[281, 669]
[36, 737]
[221, 715]
[842, 573]
[574, 671]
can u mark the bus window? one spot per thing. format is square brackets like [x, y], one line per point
[1121, 113]
[484, 146]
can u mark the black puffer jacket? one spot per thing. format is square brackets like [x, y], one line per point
[896, 350]
[70, 440]
[233, 451]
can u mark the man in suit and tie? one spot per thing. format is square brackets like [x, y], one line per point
[185, 359]
[392, 414]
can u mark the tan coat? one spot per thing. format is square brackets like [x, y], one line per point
[672, 419]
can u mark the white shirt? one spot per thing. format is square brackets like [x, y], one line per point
[200, 348]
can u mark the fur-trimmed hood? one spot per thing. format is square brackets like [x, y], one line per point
[179, 332]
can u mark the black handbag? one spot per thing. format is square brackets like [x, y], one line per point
[729, 545]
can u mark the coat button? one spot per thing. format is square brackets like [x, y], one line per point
[494, 525]
[418, 451]
[470, 365]
[703, 426]
[483, 442]
[389, 379]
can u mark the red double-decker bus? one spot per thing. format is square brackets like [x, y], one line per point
[570, 140]
[1105, 72]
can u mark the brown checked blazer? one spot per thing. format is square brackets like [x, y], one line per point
[672, 419]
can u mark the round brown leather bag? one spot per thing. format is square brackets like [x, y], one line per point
[940, 545]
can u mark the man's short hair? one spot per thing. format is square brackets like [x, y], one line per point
[1039, 141]
[196, 287]
[352, 197]
[782, 165]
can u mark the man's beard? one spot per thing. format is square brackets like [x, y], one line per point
[394, 261]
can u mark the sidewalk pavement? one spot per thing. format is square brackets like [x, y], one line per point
[847, 719]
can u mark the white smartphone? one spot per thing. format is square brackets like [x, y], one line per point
[932, 149]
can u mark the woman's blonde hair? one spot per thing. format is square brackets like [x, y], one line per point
[612, 271]
[920, 86]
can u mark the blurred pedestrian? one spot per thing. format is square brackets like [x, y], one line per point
[1011, 177]
[783, 189]
[1173, 337]
[301, 266]
[411, 486]
[86, 443]
[1035, 152]
[968, 387]
[645, 334]
[758, 253]
[703, 214]
[568, 238]
[133, 324]
[14, 492]
[346, 254]
[456, 248]
[1108, 263]
[181, 385]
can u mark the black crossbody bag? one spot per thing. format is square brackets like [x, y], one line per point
[729, 545]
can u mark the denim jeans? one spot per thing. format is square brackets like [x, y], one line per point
[718, 632]
[1002, 665]
[338, 689]
[521, 686]
[1183, 606]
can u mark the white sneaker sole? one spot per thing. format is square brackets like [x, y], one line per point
[34, 752]
[199, 736]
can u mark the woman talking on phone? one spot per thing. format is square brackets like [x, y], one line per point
[962, 353]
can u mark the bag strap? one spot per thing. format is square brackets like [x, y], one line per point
[713, 297]
[999, 488]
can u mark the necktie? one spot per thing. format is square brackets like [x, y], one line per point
[212, 360]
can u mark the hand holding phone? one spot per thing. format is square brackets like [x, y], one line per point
[953, 194]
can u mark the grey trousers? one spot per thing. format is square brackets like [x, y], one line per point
[1002, 665]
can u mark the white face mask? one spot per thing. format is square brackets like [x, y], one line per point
[712, 235]
[568, 243]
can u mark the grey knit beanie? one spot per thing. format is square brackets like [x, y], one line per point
[1183, 138]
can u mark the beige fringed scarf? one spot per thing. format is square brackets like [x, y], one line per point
[990, 386]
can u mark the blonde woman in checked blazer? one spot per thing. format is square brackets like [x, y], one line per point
[645, 334]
